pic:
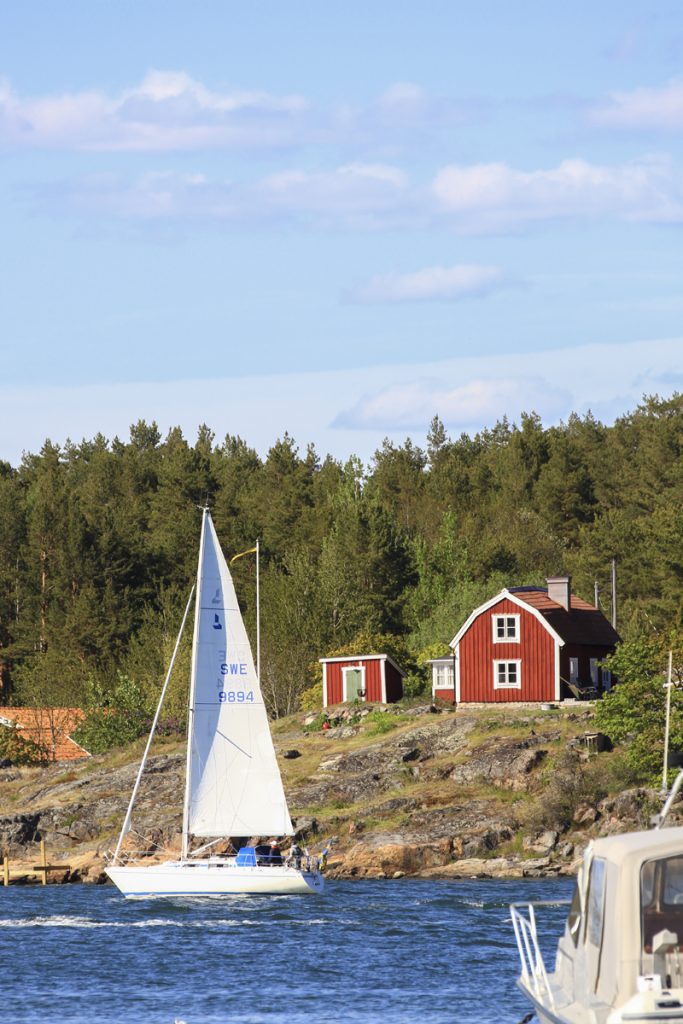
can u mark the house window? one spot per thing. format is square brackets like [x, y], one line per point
[443, 677]
[573, 670]
[594, 671]
[506, 629]
[507, 675]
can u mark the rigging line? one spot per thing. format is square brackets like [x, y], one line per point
[219, 733]
[126, 824]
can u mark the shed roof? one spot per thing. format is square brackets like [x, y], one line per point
[50, 728]
[582, 624]
[362, 657]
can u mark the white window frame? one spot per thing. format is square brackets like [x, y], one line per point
[507, 639]
[438, 680]
[354, 668]
[573, 670]
[517, 685]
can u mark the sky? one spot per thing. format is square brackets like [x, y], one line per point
[336, 220]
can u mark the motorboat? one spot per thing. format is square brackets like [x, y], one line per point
[620, 957]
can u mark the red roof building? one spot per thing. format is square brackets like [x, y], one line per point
[49, 728]
[527, 644]
[367, 677]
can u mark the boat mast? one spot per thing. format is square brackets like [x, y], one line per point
[126, 822]
[193, 680]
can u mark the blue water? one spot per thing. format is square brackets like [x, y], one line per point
[404, 952]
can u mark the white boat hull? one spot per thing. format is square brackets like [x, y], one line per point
[644, 1008]
[213, 878]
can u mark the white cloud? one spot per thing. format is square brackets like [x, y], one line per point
[432, 284]
[412, 404]
[168, 111]
[495, 197]
[660, 108]
[366, 188]
[401, 94]
[359, 195]
[468, 393]
[473, 199]
[171, 110]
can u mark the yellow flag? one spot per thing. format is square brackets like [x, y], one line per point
[241, 554]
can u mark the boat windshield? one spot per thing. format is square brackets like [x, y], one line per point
[574, 916]
[661, 899]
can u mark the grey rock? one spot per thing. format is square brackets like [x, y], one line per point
[304, 826]
[542, 843]
[506, 764]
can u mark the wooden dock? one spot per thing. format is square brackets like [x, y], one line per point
[42, 870]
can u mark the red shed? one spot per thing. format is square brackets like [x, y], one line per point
[531, 644]
[370, 677]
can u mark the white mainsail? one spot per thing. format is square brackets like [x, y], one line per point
[233, 783]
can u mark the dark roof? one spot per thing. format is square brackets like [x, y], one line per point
[582, 624]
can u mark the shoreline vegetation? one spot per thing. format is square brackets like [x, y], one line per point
[393, 791]
[97, 557]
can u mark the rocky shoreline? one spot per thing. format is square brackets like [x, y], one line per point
[392, 792]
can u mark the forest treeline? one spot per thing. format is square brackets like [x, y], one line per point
[98, 544]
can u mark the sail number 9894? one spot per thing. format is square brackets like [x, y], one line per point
[235, 697]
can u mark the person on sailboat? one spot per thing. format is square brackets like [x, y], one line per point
[295, 856]
[275, 853]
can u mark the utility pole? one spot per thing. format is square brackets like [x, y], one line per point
[614, 593]
[596, 593]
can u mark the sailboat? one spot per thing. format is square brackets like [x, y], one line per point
[233, 786]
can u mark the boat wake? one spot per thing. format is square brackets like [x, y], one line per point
[209, 923]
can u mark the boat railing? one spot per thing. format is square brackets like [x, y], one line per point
[309, 863]
[534, 975]
[305, 862]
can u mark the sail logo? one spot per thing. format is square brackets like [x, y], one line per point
[234, 668]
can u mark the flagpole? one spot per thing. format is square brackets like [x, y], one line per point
[258, 618]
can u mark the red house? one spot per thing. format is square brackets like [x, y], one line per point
[49, 728]
[369, 677]
[527, 644]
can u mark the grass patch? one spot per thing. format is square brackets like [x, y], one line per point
[377, 723]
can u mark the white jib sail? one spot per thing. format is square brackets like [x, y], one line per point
[234, 784]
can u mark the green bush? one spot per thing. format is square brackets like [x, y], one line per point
[633, 713]
[312, 699]
[379, 722]
[114, 718]
[18, 749]
[567, 782]
[415, 685]
[317, 723]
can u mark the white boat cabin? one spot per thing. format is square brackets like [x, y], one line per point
[621, 955]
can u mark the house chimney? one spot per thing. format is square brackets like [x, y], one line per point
[559, 590]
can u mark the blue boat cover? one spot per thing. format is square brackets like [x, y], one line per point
[246, 857]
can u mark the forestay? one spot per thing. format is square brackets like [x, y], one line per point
[233, 785]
